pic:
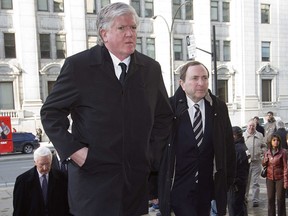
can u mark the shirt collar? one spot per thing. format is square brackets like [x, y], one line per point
[191, 103]
[116, 61]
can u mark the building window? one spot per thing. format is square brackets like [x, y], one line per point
[226, 11]
[222, 86]
[139, 45]
[136, 5]
[90, 7]
[103, 3]
[178, 51]
[189, 11]
[185, 13]
[266, 90]
[92, 41]
[50, 85]
[42, 5]
[176, 5]
[149, 8]
[265, 13]
[265, 50]
[226, 51]
[217, 43]
[58, 6]
[6, 95]
[9, 45]
[94, 6]
[144, 8]
[60, 46]
[150, 43]
[45, 46]
[214, 10]
[6, 4]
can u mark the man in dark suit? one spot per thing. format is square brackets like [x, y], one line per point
[121, 119]
[200, 166]
[34, 197]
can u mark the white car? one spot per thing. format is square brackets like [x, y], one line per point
[48, 145]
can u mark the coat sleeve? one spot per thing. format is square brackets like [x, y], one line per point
[161, 127]
[19, 199]
[230, 153]
[56, 109]
[285, 171]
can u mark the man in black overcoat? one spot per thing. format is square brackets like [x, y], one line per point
[121, 119]
[28, 198]
[199, 167]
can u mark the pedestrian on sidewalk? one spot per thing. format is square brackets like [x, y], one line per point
[277, 175]
[236, 194]
[256, 146]
[121, 119]
[41, 190]
[200, 160]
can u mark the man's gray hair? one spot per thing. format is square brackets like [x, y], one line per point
[280, 124]
[107, 15]
[42, 151]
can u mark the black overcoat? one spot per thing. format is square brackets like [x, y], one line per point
[224, 152]
[28, 199]
[124, 128]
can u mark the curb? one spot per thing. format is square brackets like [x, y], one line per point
[7, 185]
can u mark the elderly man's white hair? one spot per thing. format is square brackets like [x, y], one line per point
[280, 124]
[41, 152]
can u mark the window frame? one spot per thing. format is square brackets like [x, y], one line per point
[265, 13]
[97, 5]
[6, 4]
[150, 43]
[45, 8]
[9, 46]
[214, 11]
[264, 50]
[57, 6]
[44, 44]
[149, 3]
[266, 90]
[224, 93]
[225, 11]
[11, 104]
[226, 50]
[180, 56]
[91, 41]
[59, 42]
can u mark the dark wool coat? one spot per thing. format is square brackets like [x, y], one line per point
[28, 199]
[125, 129]
[224, 153]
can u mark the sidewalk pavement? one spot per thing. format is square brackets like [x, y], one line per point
[6, 198]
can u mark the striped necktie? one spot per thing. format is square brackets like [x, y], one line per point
[197, 125]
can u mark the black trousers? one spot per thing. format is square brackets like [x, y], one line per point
[236, 201]
[195, 204]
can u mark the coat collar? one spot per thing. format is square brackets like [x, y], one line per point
[100, 54]
[180, 98]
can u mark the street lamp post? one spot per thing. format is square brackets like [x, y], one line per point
[170, 32]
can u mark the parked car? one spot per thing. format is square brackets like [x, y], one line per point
[24, 142]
